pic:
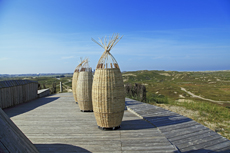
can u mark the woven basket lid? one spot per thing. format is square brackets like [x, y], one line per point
[85, 67]
[107, 60]
[78, 68]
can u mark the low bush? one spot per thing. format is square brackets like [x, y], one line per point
[159, 99]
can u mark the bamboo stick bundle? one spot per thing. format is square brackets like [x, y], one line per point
[84, 88]
[75, 78]
[108, 88]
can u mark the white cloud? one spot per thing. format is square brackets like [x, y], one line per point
[3, 58]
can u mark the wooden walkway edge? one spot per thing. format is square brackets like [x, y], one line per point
[186, 134]
[56, 124]
[11, 138]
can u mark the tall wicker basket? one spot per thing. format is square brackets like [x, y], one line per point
[84, 89]
[74, 80]
[108, 89]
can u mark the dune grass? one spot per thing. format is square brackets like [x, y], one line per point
[164, 90]
[213, 116]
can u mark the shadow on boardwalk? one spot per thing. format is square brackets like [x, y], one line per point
[59, 148]
[137, 124]
[205, 151]
[25, 107]
[129, 102]
[160, 121]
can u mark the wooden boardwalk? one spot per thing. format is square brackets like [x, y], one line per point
[186, 134]
[55, 124]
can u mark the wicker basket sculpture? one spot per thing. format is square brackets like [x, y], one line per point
[108, 88]
[84, 88]
[75, 78]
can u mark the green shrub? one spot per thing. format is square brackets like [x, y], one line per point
[159, 99]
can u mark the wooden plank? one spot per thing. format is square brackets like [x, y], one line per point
[149, 140]
[147, 108]
[182, 125]
[1, 98]
[12, 138]
[141, 136]
[204, 144]
[62, 148]
[159, 113]
[149, 147]
[179, 132]
[196, 126]
[152, 151]
[191, 135]
[184, 133]
[161, 118]
[3, 149]
[60, 121]
[159, 124]
[198, 139]
[223, 150]
[168, 119]
[219, 146]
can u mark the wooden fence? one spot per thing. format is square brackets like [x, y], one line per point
[15, 92]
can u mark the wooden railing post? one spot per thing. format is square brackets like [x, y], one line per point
[60, 86]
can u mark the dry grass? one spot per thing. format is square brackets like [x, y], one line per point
[215, 117]
[165, 74]
[128, 74]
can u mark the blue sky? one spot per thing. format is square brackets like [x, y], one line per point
[51, 36]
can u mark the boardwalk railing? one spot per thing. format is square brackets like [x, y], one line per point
[14, 92]
[43, 93]
[11, 137]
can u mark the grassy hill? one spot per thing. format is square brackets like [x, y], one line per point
[210, 107]
[212, 85]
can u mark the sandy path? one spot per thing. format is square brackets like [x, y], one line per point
[193, 95]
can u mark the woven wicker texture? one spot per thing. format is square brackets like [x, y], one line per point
[108, 97]
[84, 90]
[108, 88]
[74, 84]
[75, 78]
